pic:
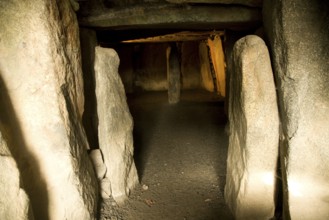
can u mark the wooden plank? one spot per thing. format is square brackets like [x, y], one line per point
[180, 36]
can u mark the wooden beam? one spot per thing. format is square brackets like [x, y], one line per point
[180, 36]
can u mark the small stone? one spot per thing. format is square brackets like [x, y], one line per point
[105, 188]
[207, 200]
[97, 160]
[145, 187]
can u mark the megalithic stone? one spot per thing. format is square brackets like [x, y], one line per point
[298, 34]
[15, 203]
[41, 82]
[115, 125]
[254, 132]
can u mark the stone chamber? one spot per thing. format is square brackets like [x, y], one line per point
[164, 109]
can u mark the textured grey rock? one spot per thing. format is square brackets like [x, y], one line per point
[115, 125]
[298, 33]
[42, 104]
[257, 3]
[181, 16]
[254, 132]
[14, 202]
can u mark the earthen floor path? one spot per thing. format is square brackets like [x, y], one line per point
[180, 154]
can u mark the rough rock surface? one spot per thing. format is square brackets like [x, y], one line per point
[14, 202]
[254, 132]
[177, 16]
[115, 125]
[257, 3]
[42, 105]
[298, 33]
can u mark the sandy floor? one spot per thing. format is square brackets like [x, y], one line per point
[180, 155]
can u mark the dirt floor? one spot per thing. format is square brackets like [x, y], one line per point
[180, 154]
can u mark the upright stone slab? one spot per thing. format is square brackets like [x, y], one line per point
[14, 202]
[42, 104]
[298, 32]
[115, 124]
[254, 132]
[173, 75]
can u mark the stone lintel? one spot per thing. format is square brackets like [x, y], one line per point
[175, 16]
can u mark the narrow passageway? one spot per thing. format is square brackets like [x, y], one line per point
[180, 154]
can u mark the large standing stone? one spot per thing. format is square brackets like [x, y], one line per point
[254, 132]
[14, 202]
[115, 125]
[42, 104]
[298, 32]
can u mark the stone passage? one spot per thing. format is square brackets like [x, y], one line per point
[254, 132]
[115, 125]
[298, 32]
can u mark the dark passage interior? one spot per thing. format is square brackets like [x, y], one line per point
[180, 149]
[180, 154]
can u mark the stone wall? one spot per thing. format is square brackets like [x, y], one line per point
[298, 36]
[151, 67]
[144, 67]
[190, 65]
[41, 107]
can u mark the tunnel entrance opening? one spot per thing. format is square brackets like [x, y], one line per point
[180, 149]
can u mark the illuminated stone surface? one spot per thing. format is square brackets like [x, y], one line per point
[41, 107]
[115, 125]
[14, 202]
[298, 32]
[254, 132]
[99, 166]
